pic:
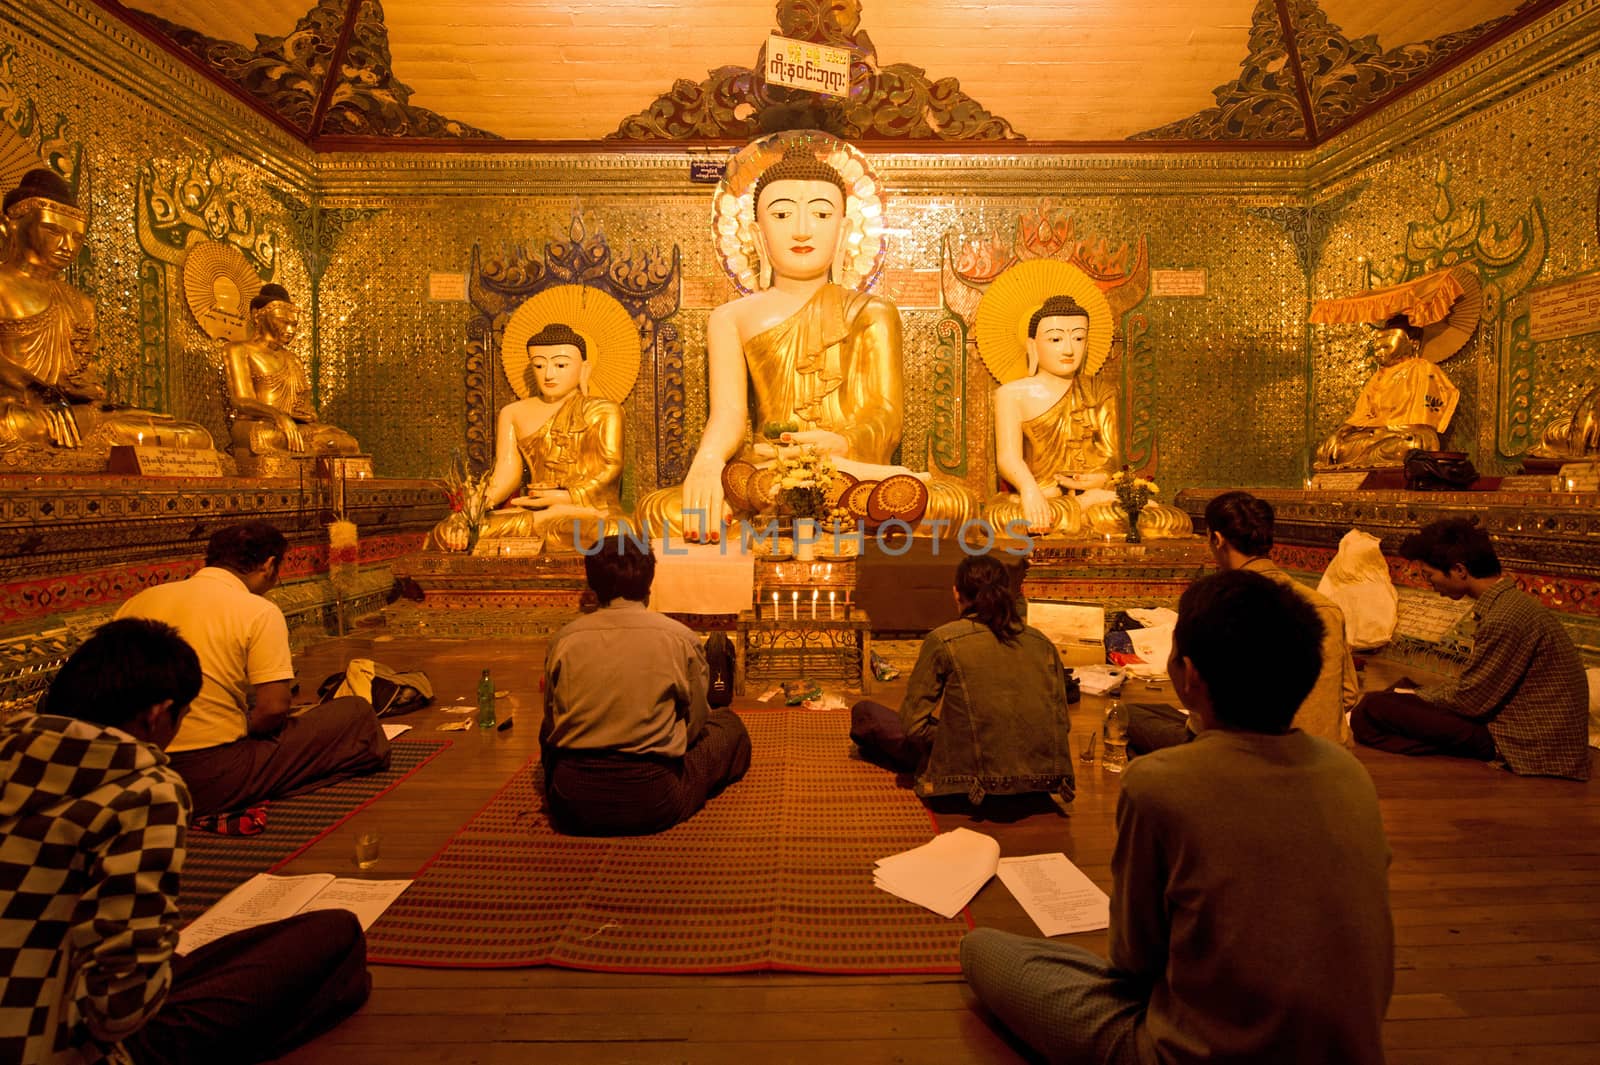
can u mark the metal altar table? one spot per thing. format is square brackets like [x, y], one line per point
[781, 648]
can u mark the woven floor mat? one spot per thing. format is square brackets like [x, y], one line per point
[775, 873]
[217, 864]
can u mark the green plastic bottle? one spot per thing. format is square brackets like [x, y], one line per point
[486, 718]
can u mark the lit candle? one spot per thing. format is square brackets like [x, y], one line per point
[794, 602]
[813, 604]
[830, 604]
[141, 440]
[774, 606]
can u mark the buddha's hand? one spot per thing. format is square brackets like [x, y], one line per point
[704, 510]
[293, 439]
[825, 441]
[541, 498]
[1083, 482]
[62, 426]
[1036, 509]
[452, 532]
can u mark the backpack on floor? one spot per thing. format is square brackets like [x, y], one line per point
[719, 657]
[390, 691]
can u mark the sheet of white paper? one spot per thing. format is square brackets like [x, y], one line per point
[367, 899]
[942, 874]
[391, 731]
[1068, 622]
[1056, 894]
[258, 900]
[1099, 680]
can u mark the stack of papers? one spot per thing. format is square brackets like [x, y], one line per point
[1098, 680]
[942, 874]
[1056, 894]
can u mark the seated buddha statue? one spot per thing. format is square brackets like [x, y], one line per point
[1057, 440]
[569, 443]
[1576, 436]
[269, 392]
[52, 415]
[1407, 404]
[802, 350]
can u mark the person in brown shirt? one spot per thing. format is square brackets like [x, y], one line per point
[1239, 527]
[1250, 914]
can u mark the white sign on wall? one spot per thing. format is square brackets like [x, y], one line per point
[804, 65]
[447, 288]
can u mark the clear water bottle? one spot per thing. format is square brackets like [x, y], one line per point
[486, 701]
[1114, 738]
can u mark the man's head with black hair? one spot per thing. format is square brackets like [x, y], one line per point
[133, 674]
[620, 567]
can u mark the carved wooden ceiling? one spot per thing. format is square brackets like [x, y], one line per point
[512, 73]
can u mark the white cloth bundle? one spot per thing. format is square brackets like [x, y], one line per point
[1357, 580]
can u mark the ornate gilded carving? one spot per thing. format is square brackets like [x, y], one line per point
[1263, 103]
[947, 443]
[1515, 421]
[47, 146]
[1308, 227]
[1341, 77]
[645, 283]
[179, 209]
[897, 101]
[287, 74]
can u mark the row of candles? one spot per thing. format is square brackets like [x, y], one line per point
[794, 604]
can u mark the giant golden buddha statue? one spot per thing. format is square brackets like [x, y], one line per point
[797, 219]
[52, 415]
[1409, 401]
[1057, 430]
[566, 433]
[269, 392]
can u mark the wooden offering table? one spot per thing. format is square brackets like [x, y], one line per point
[781, 646]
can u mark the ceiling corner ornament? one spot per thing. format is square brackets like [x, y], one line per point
[218, 285]
[894, 102]
[287, 75]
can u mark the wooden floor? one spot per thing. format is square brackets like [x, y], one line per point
[1495, 889]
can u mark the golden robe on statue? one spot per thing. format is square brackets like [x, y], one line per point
[1405, 405]
[1080, 434]
[579, 449]
[834, 365]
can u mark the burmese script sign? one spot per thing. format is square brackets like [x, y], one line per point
[148, 461]
[447, 288]
[804, 65]
[1565, 310]
[1177, 282]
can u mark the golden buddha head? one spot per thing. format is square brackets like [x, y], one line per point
[799, 204]
[1058, 337]
[1396, 340]
[44, 227]
[276, 318]
[558, 362]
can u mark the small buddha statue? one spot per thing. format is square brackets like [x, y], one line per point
[1407, 404]
[569, 443]
[1574, 437]
[269, 392]
[52, 415]
[1058, 442]
[806, 351]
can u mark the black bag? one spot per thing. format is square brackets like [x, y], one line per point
[389, 690]
[719, 657]
[1438, 471]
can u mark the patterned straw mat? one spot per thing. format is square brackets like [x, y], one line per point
[775, 873]
[217, 864]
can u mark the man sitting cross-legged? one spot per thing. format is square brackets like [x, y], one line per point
[1240, 527]
[1522, 697]
[629, 744]
[239, 745]
[92, 827]
[1250, 903]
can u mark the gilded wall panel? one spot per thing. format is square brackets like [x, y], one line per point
[1529, 160]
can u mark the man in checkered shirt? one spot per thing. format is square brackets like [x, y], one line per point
[92, 829]
[1522, 698]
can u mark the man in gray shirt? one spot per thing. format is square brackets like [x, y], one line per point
[630, 746]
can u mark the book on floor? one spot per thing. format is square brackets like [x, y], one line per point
[265, 898]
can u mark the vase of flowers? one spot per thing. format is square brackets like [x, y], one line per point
[468, 495]
[801, 481]
[1133, 492]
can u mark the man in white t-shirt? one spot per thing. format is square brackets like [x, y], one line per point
[238, 745]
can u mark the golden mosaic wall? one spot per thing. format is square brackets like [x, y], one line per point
[1533, 159]
[1228, 390]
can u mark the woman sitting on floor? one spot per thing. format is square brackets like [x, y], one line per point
[985, 712]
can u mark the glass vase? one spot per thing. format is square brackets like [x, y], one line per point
[1133, 536]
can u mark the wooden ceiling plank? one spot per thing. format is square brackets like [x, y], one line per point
[335, 63]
